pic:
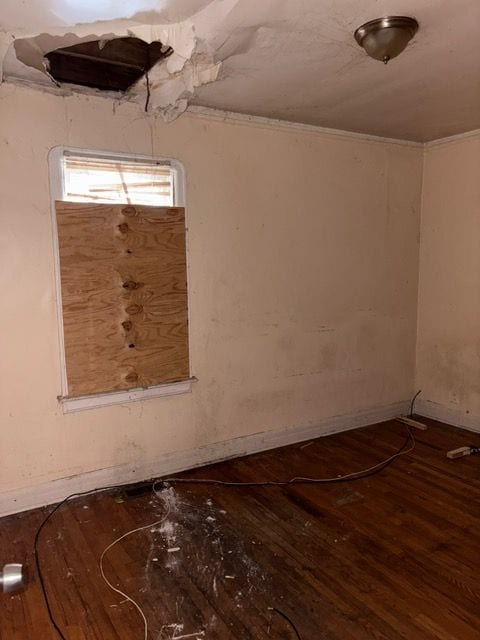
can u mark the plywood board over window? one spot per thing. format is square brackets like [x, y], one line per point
[124, 295]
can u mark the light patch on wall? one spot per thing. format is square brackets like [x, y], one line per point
[81, 11]
[45, 15]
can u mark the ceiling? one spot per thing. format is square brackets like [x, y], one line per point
[293, 60]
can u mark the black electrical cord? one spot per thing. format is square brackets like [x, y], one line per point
[147, 99]
[409, 440]
[37, 555]
[289, 620]
[412, 403]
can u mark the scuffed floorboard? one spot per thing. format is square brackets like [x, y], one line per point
[391, 556]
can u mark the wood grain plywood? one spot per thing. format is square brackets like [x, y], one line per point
[124, 295]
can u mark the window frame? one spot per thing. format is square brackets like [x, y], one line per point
[57, 182]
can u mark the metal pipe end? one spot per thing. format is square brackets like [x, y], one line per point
[11, 578]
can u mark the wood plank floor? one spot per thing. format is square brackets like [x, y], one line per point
[396, 555]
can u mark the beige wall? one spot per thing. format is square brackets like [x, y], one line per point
[448, 356]
[303, 283]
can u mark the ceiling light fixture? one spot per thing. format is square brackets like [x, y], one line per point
[385, 38]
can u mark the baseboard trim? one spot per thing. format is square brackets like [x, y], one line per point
[440, 412]
[53, 491]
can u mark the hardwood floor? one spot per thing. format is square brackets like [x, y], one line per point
[396, 555]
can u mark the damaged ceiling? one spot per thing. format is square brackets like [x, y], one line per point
[109, 65]
[291, 60]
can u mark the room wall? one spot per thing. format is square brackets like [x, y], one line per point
[448, 355]
[303, 263]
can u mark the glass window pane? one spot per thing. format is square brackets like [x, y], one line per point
[117, 181]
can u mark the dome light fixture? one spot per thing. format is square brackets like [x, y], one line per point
[385, 38]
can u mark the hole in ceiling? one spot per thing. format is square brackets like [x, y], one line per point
[110, 65]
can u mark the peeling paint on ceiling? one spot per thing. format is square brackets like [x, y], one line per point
[172, 82]
[290, 60]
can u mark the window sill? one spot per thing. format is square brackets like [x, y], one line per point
[81, 403]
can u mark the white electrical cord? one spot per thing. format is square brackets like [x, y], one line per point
[119, 591]
[296, 480]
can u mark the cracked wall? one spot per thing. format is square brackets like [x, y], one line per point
[292, 322]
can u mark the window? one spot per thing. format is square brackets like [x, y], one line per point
[117, 181]
[121, 275]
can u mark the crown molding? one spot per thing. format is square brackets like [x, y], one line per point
[459, 137]
[259, 121]
[272, 123]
